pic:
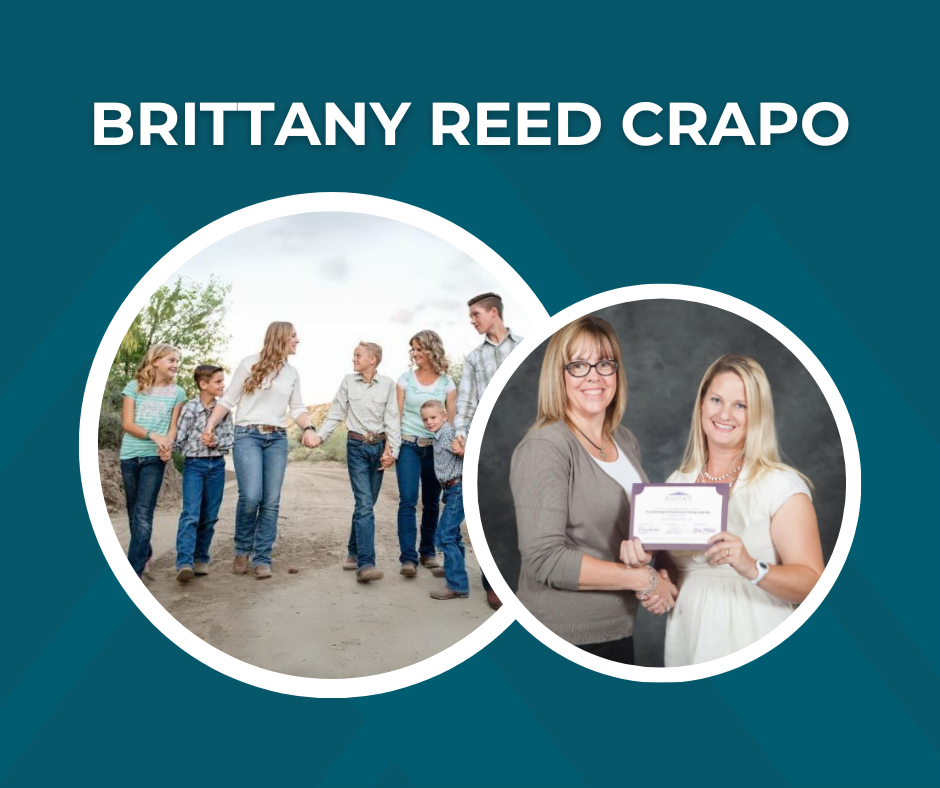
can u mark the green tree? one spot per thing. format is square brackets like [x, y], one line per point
[186, 314]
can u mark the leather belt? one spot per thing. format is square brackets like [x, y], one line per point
[369, 437]
[452, 482]
[422, 442]
[263, 428]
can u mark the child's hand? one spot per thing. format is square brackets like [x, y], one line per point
[457, 446]
[208, 439]
[164, 444]
[165, 455]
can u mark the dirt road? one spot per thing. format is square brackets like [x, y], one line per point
[318, 622]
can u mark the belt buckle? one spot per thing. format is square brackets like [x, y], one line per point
[369, 437]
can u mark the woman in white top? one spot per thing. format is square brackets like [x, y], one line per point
[426, 381]
[264, 387]
[753, 575]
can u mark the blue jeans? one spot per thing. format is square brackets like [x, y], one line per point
[450, 540]
[365, 476]
[203, 484]
[142, 477]
[260, 463]
[416, 466]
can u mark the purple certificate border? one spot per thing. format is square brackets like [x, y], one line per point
[722, 489]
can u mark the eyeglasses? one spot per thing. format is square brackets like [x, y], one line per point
[580, 369]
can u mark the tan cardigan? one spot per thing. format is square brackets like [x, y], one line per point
[568, 507]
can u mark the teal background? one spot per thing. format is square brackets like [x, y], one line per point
[837, 243]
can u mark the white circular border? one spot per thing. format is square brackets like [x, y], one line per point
[88, 439]
[853, 490]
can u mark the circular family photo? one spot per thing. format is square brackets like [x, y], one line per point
[273, 438]
[662, 483]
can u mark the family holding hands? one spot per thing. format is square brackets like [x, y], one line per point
[418, 422]
[572, 480]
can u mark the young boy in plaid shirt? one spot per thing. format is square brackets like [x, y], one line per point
[203, 473]
[448, 467]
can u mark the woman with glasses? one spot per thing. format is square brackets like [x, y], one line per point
[572, 477]
[427, 380]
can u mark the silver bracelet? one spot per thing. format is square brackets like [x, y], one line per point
[654, 581]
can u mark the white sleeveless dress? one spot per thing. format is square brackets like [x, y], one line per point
[718, 611]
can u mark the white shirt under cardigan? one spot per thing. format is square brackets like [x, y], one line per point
[621, 471]
[268, 404]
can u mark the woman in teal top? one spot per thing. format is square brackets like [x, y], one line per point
[427, 380]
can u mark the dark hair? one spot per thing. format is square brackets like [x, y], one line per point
[204, 372]
[488, 301]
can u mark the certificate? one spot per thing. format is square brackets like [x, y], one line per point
[678, 516]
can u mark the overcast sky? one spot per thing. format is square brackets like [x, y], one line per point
[341, 278]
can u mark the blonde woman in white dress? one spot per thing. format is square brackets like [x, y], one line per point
[753, 576]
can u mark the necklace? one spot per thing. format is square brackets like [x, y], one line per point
[719, 478]
[599, 448]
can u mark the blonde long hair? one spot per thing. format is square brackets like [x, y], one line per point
[146, 374]
[585, 332]
[761, 451]
[273, 355]
[433, 346]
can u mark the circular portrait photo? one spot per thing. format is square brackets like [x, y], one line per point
[661, 483]
[280, 441]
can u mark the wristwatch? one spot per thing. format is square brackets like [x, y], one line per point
[762, 569]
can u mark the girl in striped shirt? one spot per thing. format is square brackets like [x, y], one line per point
[152, 405]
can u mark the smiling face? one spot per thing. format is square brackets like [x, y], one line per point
[418, 356]
[363, 360]
[214, 386]
[292, 343]
[724, 412]
[589, 397]
[483, 319]
[166, 367]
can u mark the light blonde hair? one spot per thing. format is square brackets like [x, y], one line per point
[273, 355]
[431, 344]
[434, 404]
[586, 333]
[374, 349]
[761, 451]
[146, 374]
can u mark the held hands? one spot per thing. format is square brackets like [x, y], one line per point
[387, 460]
[458, 445]
[164, 444]
[633, 555]
[729, 549]
[310, 439]
[663, 599]
[208, 439]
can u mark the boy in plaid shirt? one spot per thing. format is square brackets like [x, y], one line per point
[448, 467]
[203, 473]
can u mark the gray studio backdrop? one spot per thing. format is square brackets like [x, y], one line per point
[667, 346]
